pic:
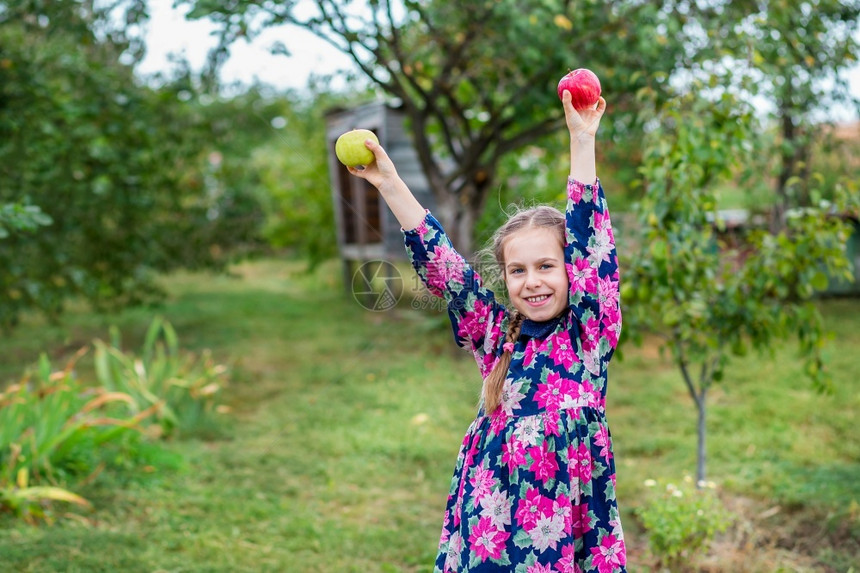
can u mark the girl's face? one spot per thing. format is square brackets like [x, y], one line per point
[535, 273]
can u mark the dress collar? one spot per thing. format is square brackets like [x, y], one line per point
[534, 329]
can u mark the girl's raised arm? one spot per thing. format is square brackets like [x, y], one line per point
[475, 315]
[582, 126]
[590, 255]
[383, 175]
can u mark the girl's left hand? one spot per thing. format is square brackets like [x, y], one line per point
[584, 122]
[380, 171]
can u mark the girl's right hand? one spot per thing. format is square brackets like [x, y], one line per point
[582, 123]
[381, 171]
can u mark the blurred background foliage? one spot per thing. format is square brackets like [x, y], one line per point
[126, 177]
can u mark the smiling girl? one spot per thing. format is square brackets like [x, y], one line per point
[534, 485]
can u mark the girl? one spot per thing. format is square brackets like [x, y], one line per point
[534, 485]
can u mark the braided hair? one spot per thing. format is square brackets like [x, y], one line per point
[494, 384]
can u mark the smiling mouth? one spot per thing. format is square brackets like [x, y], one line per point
[537, 299]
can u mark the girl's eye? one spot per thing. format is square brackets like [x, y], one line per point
[516, 271]
[546, 266]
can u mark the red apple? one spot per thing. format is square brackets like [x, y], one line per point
[584, 88]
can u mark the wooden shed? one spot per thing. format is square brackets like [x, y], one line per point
[366, 227]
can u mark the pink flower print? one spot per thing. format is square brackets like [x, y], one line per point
[612, 326]
[530, 509]
[473, 325]
[561, 507]
[497, 507]
[601, 438]
[486, 541]
[458, 505]
[609, 555]
[581, 520]
[616, 530]
[591, 394]
[576, 397]
[582, 276]
[422, 228]
[511, 396]
[513, 454]
[567, 563]
[562, 351]
[482, 483]
[575, 190]
[527, 429]
[538, 568]
[591, 333]
[495, 331]
[444, 266]
[591, 360]
[601, 220]
[469, 458]
[600, 246]
[533, 348]
[607, 293]
[547, 532]
[445, 533]
[580, 457]
[498, 421]
[455, 547]
[544, 462]
[550, 395]
[550, 422]
[486, 362]
[575, 486]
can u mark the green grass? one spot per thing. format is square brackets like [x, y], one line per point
[345, 426]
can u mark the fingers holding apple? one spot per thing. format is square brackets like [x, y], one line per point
[351, 150]
[579, 91]
[583, 86]
[359, 150]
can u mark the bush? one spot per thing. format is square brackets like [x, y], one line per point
[181, 389]
[52, 430]
[682, 520]
[57, 433]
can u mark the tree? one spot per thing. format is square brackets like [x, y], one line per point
[798, 52]
[122, 169]
[706, 299]
[477, 79]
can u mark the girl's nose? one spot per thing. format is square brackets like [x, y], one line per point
[533, 280]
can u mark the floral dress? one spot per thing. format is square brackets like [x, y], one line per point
[533, 490]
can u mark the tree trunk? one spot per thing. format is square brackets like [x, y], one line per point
[459, 213]
[700, 449]
[793, 157]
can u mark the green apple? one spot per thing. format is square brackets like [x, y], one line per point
[350, 149]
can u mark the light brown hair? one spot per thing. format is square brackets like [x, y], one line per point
[542, 216]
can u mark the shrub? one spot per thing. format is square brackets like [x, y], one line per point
[682, 520]
[52, 429]
[183, 389]
[55, 430]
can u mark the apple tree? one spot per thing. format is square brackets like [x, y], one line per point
[707, 300]
[477, 79]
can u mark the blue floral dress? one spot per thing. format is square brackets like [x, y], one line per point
[533, 490]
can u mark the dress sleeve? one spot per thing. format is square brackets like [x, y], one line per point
[592, 267]
[476, 317]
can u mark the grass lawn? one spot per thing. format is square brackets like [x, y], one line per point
[345, 426]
